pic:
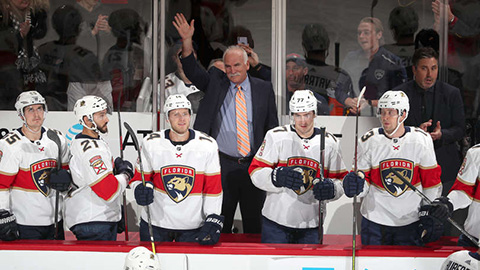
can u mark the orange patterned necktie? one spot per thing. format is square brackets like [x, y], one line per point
[243, 141]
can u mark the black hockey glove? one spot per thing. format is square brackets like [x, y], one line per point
[288, 177]
[353, 183]
[60, 179]
[144, 194]
[324, 190]
[8, 226]
[209, 234]
[430, 228]
[441, 209]
[123, 166]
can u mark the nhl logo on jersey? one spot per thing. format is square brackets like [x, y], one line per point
[40, 171]
[310, 169]
[178, 181]
[390, 181]
[97, 164]
[379, 73]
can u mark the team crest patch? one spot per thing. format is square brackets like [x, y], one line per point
[309, 167]
[379, 73]
[390, 181]
[40, 171]
[178, 181]
[97, 164]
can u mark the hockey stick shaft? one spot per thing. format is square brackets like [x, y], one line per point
[52, 135]
[147, 208]
[424, 197]
[124, 196]
[355, 169]
[321, 204]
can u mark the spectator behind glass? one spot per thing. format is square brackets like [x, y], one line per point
[226, 94]
[72, 71]
[332, 83]
[296, 70]
[96, 33]
[403, 22]
[373, 66]
[178, 83]
[242, 37]
[123, 62]
[437, 108]
[21, 23]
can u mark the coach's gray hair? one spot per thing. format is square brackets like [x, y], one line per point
[234, 48]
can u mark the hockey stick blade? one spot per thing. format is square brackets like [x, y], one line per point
[52, 135]
[421, 194]
[147, 208]
[361, 96]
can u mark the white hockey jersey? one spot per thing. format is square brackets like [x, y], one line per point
[386, 199]
[461, 260]
[466, 190]
[97, 196]
[283, 147]
[24, 171]
[187, 180]
[174, 85]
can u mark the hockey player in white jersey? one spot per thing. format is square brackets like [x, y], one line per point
[287, 165]
[27, 157]
[389, 208]
[183, 183]
[463, 260]
[465, 192]
[93, 207]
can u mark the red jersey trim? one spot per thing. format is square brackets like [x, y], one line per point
[106, 187]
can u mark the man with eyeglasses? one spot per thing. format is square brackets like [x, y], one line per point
[183, 183]
[287, 167]
[392, 213]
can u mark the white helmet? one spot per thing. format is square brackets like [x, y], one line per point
[394, 99]
[303, 101]
[140, 258]
[29, 98]
[176, 101]
[87, 106]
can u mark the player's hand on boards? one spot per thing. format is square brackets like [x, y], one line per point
[144, 194]
[123, 166]
[59, 179]
[288, 177]
[430, 228]
[209, 234]
[353, 183]
[8, 226]
[324, 190]
[441, 209]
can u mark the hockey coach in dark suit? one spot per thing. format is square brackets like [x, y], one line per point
[437, 108]
[237, 110]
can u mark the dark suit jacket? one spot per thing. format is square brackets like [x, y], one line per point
[215, 84]
[448, 109]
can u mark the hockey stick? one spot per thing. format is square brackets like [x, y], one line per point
[355, 169]
[124, 196]
[52, 135]
[147, 209]
[322, 177]
[424, 197]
